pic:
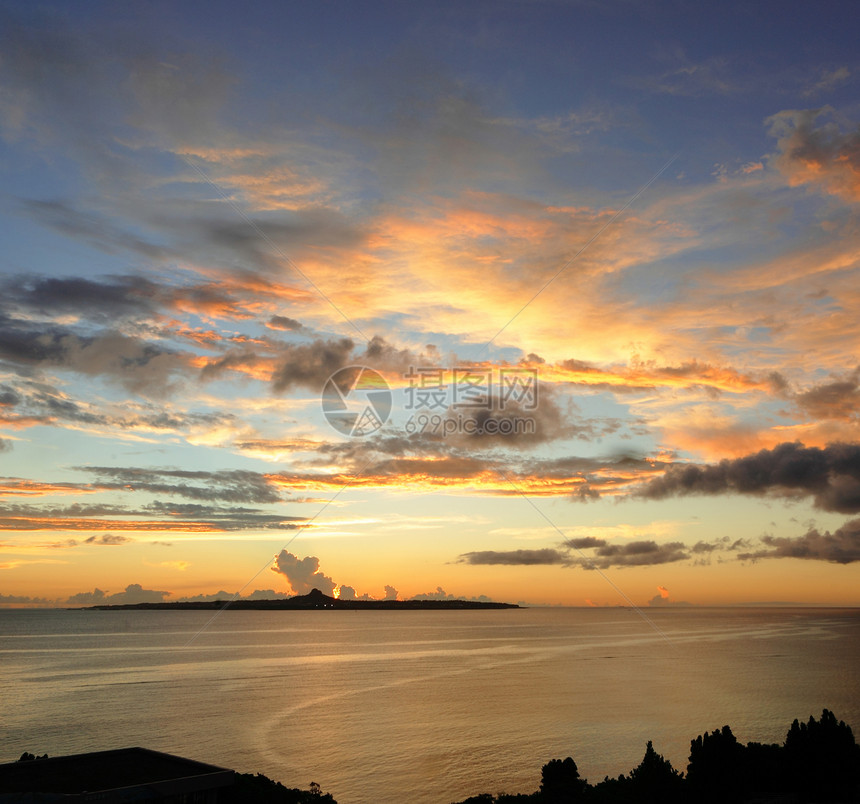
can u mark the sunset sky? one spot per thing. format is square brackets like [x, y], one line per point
[648, 211]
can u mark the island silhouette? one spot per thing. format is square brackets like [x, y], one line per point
[315, 599]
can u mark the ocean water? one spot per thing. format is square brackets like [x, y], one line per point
[419, 706]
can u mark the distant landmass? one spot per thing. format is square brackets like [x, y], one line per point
[315, 600]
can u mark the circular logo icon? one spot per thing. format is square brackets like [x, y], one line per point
[356, 401]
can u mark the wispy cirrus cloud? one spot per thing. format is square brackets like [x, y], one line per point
[237, 486]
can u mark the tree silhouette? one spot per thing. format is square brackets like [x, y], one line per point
[715, 772]
[819, 762]
[560, 781]
[763, 769]
[655, 780]
[822, 758]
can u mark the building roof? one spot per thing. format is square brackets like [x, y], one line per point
[130, 769]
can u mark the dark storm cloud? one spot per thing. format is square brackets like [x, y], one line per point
[634, 554]
[840, 547]
[236, 486]
[142, 367]
[839, 399]
[382, 356]
[516, 423]
[108, 299]
[585, 542]
[9, 397]
[233, 360]
[526, 557]
[830, 475]
[284, 323]
[310, 365]
[605, 555]
[24, 343]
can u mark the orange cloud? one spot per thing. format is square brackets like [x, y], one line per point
[26, 523]
[12, 486]
[817, 154]
[462, 475]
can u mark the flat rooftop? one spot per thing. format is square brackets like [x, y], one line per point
[103, 771]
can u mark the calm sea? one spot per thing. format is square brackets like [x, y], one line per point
[419, 706]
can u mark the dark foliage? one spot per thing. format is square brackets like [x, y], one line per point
[560, 782]
[822, 758]
[713, 773]
[655, 780]
[262, 790]
[820, 761]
